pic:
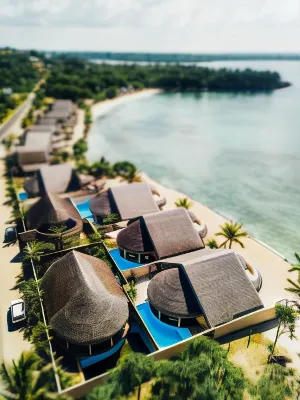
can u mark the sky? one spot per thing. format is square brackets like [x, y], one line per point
[152, 25]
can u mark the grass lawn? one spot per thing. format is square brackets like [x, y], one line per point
[252, 359]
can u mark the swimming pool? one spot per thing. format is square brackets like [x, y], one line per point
[84, 210]
[22, 196]
[121, 262]
[164, 334]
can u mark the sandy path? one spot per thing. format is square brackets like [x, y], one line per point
[11, 343]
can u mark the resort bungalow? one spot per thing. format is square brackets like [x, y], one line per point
[85, 306]
[41, 128]
[159, 235]
[57, 179]
[128, 201]
[209, 290]
[54, 220]
[36, 151]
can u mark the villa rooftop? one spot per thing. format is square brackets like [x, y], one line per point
[60, 178]
[84, 303]
[213, 284]
[165, 233]
[128, 201]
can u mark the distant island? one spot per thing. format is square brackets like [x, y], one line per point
[175, 57]
[78, 78]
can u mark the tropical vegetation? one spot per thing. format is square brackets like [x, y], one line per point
[184, 202]
[75, 78]
[232, 232]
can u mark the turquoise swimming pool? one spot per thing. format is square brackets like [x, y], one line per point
[23, 196]
[84, 210]
[164, 334]
[121, 262]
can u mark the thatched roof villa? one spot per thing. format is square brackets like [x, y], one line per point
[36, 151]
[48, 213]
[129, 201]
[159, 235]
[85, 306]
[57, 179]
[213, 285]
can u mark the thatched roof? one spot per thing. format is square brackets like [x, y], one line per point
[84, 303]
[214, 284]
[60, 178]
[41, 128]
[167, 233]
[128, 200]
[52, 210]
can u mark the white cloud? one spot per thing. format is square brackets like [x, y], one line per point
[174, 25]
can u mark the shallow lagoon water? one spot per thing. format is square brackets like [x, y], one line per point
[237, 153]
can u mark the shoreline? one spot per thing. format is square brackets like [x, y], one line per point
[102, 107]
[272, 265]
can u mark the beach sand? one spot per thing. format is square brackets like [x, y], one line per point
[273, 268]
[103, 107]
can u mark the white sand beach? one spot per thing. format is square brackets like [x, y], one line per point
[103, 107]
[273, 268]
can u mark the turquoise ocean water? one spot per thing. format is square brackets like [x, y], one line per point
[237, 153]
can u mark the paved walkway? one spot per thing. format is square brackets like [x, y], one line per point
[11, 341]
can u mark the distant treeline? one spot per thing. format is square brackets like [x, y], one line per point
[177, 57]
[18, 75]
[17, 72]
[76, 79]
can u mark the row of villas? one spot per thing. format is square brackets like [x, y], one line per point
[183, 289]
[46, 136]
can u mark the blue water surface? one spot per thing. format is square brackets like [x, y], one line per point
[121, 262]
[23, 196]
[164, 334]
[84, 210]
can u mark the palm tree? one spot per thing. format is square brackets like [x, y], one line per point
[202, 371]
[295, 285]
[26, 379]
[111, 219]
[212, 244]
[34, 250]
[131, 373]
[232, 233]
[184, 202]
[133, 176]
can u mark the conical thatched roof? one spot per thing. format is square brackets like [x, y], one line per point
[128, 200]
[84, 303]
[52, 210]
[214, 284]
[167, 233]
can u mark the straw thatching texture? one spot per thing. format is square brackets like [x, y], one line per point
[52, 210]
[135, 238]
[84, 303]
[217, 281]
[100, 205]
[172, 232]
[167, 233]
[60, 178]
[134, 200]
[129, 201]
